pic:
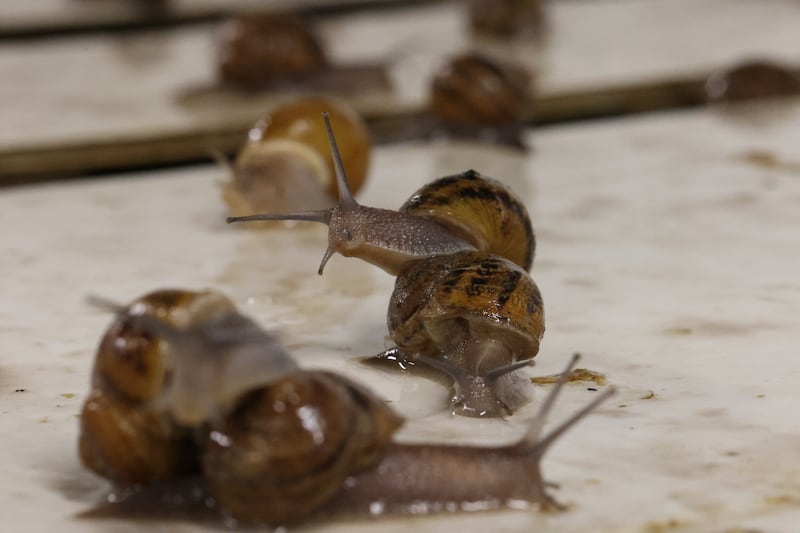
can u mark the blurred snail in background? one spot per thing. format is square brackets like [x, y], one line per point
[136, 422]
[463, 301]
[285, 163]
[506, 19]
[305, 444]
[752, 80]
[259, 49]
[456, 213]
[474, 95]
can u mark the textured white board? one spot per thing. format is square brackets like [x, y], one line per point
[668, 252]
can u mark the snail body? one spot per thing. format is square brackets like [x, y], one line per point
[475, 316]
[429, 224]
[285, 163]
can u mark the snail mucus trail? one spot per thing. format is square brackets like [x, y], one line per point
[478, 315]
[307, 445]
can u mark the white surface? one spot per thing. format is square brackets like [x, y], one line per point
[667, 255]
[102, 89]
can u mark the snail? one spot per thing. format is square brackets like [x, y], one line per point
[474, 316]
[506, 19]
[136, 423]
[305, 444]
[285, 163]
[475, 96]
[452, 214]
[463, 301]
[752, 80]
[259, 49]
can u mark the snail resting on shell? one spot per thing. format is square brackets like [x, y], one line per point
[301, 444]
[285, 162]
[463, 301]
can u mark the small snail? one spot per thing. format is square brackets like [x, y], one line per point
[752, 80]
[285, 163]
[135, 423]
[259, 49]
[473, 95]
[455, 213]
[506, 19]
[475, 316]
[305, 444]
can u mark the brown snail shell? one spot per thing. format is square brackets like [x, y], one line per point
[285, 163]
[260, 49]
[475, 316]
[752, 80]
[290, 446]
[474, 91]
[121, 437]
[484, 211]
[506, 19]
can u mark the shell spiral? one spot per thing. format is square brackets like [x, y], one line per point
[481, 210]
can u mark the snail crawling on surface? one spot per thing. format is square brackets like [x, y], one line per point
[269, 51]
[463, 301]
[285, 162]
[290, 445]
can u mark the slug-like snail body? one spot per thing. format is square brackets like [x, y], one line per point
[285, 163]
[135, 425]
[457, 213]
[475, 316]
[259, 49]
[302, 445]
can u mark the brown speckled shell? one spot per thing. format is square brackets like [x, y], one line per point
[472, 90]
[483, 211]
[121, 438]
[259, 49]
[477, 295]
[290, 446]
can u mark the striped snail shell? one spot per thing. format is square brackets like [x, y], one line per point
[475, 316]
[480, 209]
[421, 229]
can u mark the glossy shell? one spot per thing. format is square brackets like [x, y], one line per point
[291, 445]
[286, 165]
[440, 301]
[481, 210]
[256, 50]
[475, 91]
[122, 436]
